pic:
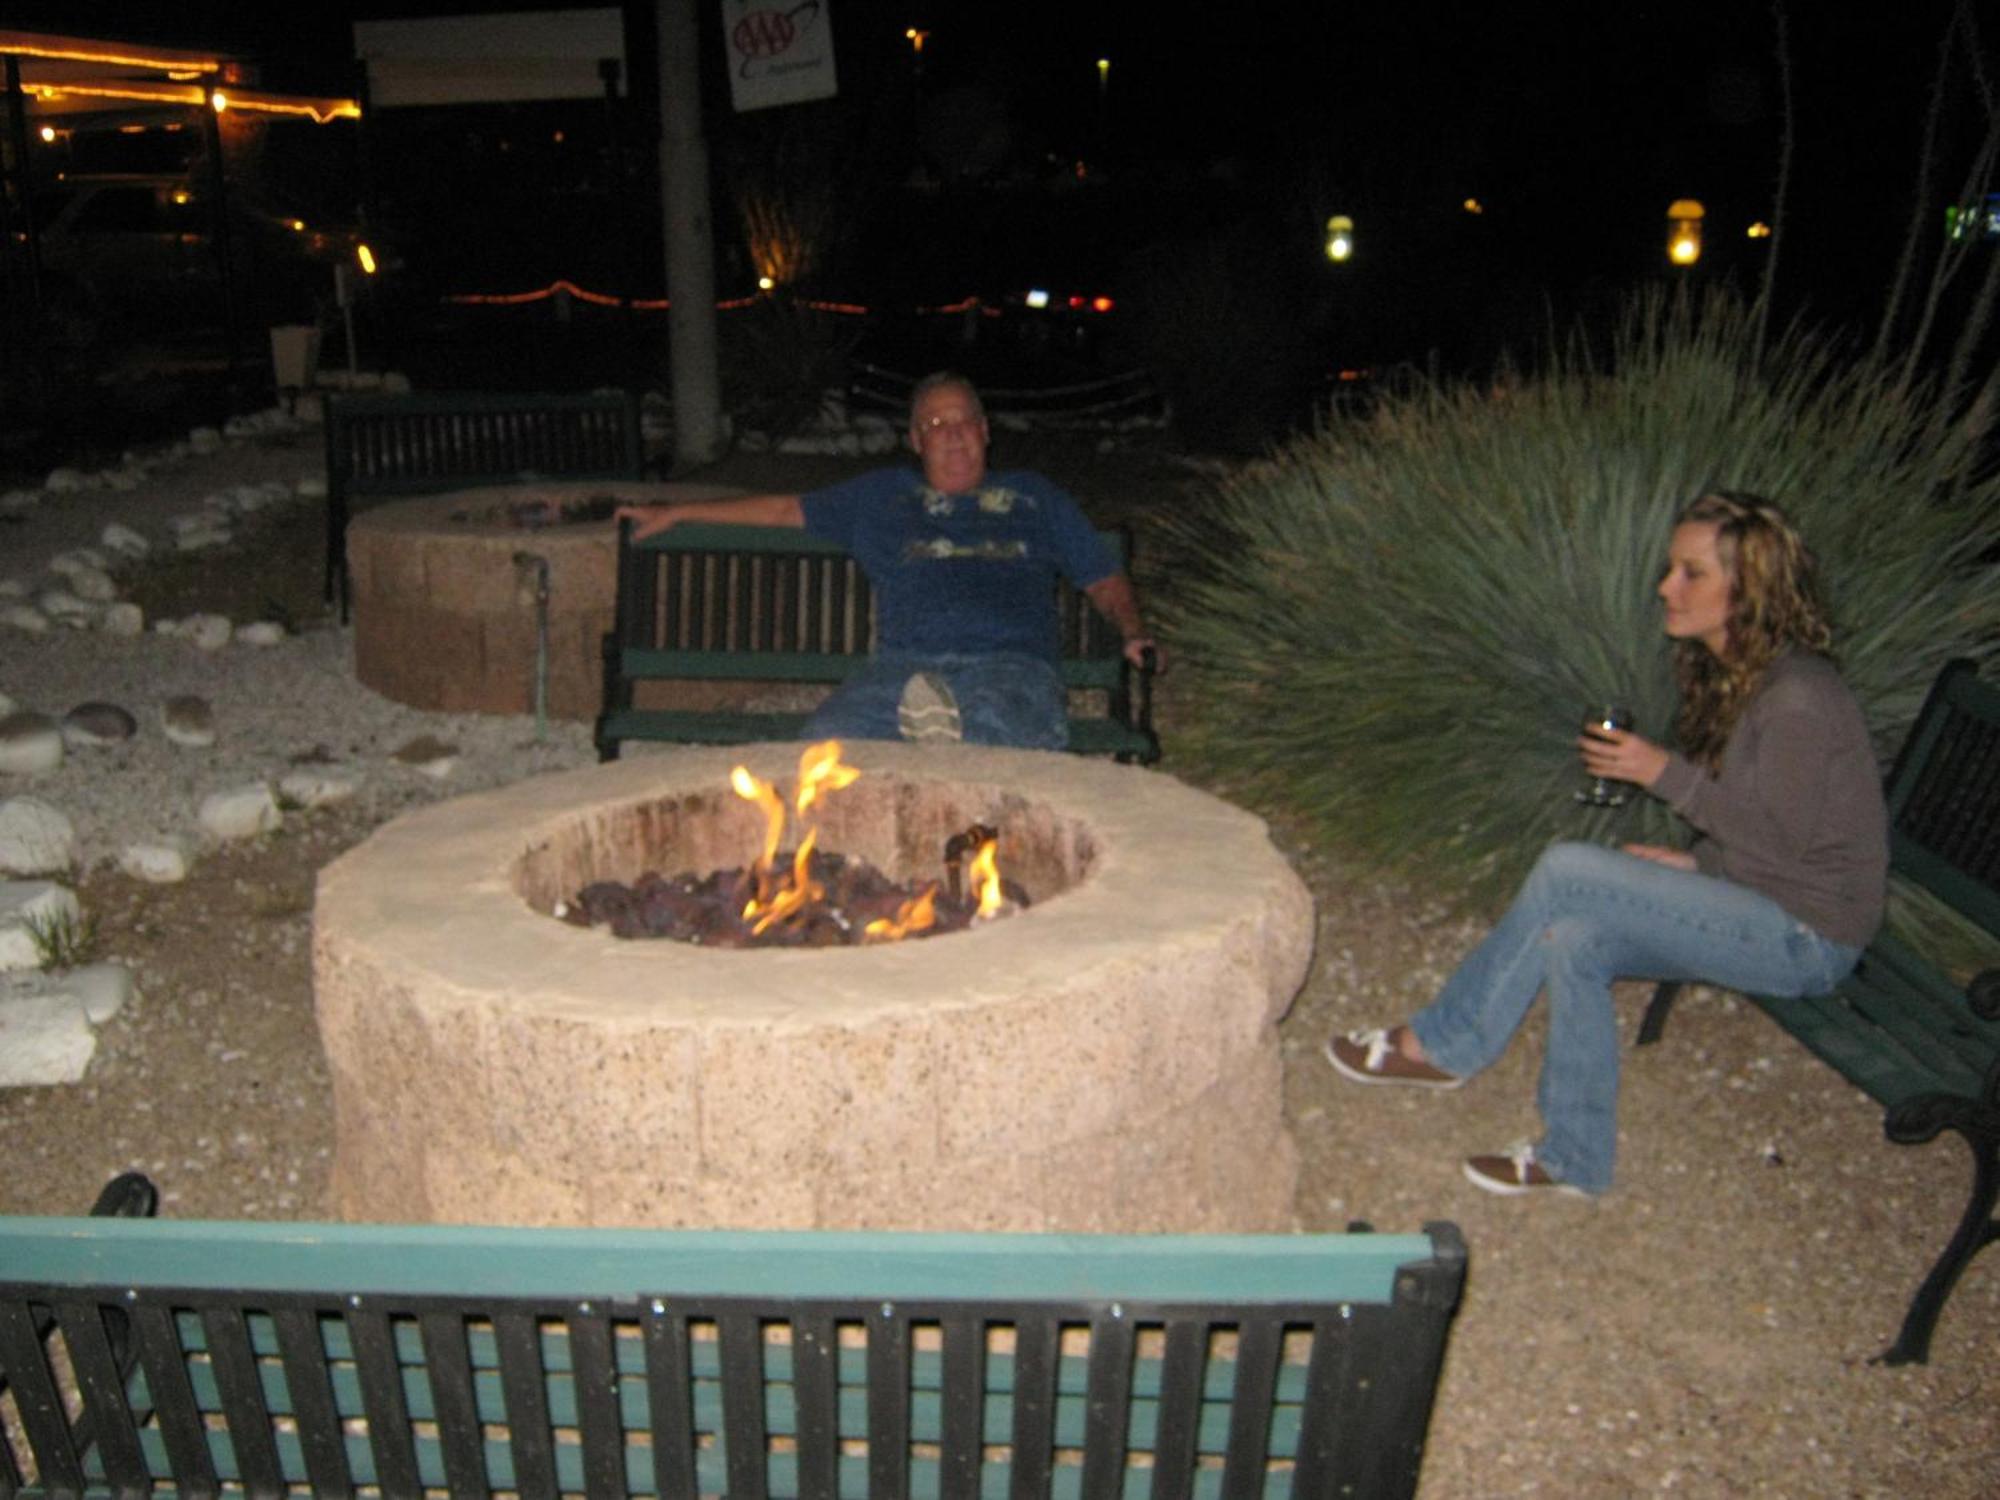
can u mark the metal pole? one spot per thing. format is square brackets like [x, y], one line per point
[697, 382]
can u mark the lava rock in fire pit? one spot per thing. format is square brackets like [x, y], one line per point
[850, 902]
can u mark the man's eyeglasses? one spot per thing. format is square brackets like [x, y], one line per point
[944, 424]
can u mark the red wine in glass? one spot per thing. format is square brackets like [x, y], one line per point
[1602, 791]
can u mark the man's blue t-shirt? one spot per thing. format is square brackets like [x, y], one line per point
[970, 573]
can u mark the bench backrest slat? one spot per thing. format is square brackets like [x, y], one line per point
[1944, 796]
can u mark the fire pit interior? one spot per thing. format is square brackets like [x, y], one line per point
[1105, 1059]
[806, 895]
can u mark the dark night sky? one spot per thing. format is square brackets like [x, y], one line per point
[1571, 119]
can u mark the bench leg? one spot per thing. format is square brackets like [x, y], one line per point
[1913, 1123]
[1655, 1020]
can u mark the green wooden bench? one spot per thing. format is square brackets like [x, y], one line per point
[1925, 1048]
[391, 447]
[708, 603]
[143, 1355]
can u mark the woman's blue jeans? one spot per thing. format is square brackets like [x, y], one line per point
[1004, 698]
[1588, 915]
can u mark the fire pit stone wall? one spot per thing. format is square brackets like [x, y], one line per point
[1104, 1061]
[445, 617]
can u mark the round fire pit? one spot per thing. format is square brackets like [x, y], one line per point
[1106, 1060]
[444, 588]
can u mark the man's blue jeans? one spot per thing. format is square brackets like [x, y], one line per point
[1004, 698]
[1588, 915]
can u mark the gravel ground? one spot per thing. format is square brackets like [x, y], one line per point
[1703, 1330]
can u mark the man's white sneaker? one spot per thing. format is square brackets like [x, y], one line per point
[928, 713]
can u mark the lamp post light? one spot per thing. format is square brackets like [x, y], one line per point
[1339, 238]
[1684, 216]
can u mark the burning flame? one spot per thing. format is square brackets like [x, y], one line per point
[986, 879]
[781, 897]
[911, 916]
[750, 789]
[820, 772]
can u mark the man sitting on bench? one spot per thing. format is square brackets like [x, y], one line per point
[963, 563]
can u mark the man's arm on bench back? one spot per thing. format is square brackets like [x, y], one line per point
[745, 510]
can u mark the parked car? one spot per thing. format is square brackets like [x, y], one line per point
[138, 252]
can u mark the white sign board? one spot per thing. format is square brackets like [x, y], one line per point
[490, 59]
[780, 51]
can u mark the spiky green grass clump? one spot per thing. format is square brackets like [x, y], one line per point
[1395, 624]
[62, 940]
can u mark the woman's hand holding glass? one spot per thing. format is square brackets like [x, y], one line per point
[1620, 755]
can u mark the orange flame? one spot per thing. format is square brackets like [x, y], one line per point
[802, 891]
[781, 897]
[820, 772]
[986, 876]
[750, 789]
[911, 916]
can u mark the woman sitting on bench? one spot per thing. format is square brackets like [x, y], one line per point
[1779, 893]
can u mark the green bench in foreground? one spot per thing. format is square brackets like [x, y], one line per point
[142, 1354]
[1899, 1029]
[716, 603]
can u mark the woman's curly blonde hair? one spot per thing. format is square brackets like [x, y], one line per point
[1774, 605]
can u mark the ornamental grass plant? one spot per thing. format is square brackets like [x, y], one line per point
[1391, 628]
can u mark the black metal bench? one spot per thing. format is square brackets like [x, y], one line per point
[143, 1354]
[381, 447]
[1925, 1048]
[708, 603]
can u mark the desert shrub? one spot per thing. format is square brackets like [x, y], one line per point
[1392, 627]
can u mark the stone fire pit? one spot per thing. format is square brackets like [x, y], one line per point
[1104, 1061]
[444, 617]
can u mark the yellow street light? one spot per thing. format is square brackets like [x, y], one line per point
[1339, 238]
[1684, 216]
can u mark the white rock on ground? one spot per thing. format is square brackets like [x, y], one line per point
[124, 541]
[163, 863]
[43, 1039]
[25, 904]
[188, 720]
[89, 725]
[262, 633]
[208, 632]
[35, 838]
[92, 585]
[240, 812]
[65, 608]
[316, 788]
[122, 619]
[77, 559]
[29, 743]
[25, 617]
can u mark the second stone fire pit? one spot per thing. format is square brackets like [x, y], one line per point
[1106, 1060]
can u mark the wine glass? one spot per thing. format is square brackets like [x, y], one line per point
[1604, 792]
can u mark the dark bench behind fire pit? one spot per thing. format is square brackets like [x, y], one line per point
[705, 602]
[391, 447]
[144, 1353]
[1923, 1047]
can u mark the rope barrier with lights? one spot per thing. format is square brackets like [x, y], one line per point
[563, 287]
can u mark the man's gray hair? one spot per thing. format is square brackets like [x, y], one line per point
[943, 380]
